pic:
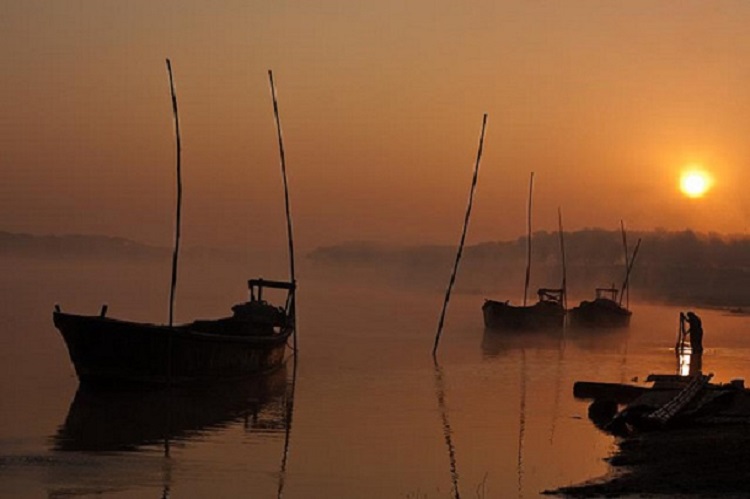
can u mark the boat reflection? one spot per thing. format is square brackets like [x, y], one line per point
[597, 340]
[128, 419]
[498, 345]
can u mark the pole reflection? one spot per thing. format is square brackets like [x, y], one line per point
[447, 431]
[521, 424]
[288, 413]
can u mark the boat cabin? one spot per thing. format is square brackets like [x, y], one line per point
[552, 296]
[607, 294]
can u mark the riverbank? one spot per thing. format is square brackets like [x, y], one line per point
[686, 462]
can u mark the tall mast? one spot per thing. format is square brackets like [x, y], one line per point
[528, 241]
[562, 252]
[627, 261]
[630, 268]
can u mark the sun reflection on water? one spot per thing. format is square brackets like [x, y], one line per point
[689, 362]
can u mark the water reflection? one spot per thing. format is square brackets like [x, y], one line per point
[126, 426]
[447, 431]
[544, 362]
[521, 425]
[127, 420]
[496, 344]
[600, 340]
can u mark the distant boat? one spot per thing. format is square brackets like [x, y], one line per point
[548, 312]
[603, 311]
[251, 341]
[606, 310]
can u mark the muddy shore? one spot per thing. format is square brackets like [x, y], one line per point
[697, 462]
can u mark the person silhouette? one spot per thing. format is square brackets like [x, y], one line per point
[695, 331]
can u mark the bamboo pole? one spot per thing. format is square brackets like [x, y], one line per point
[528, 242]
[463, 237]
[447, 430]
[680, 335]
[290, 238]
[282, 158]
[175, 253]
[178, 145]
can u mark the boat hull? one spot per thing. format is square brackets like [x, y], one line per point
[542, 315]
[105, 350]
[599, 313]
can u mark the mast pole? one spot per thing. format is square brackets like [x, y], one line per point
[630, 268]
[528, 242]
[562, 252]
[463, 237]
[178, 146]
[627, 260]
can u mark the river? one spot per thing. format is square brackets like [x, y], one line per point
[364, 412]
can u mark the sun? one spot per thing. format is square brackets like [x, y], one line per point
[694, 183]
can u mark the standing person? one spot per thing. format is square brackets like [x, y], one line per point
[695, 331]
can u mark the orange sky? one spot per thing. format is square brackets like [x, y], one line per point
[381, 107]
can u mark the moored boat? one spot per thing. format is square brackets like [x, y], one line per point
[607, 310]
[250, 341]
[603, 311]
[672, 401]
[547, 313]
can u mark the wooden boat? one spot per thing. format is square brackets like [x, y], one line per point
[672, 400]
[603, 311]
[606, 310]
[547, 313]
[250, 341]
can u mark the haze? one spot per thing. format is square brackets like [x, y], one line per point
[381, 105]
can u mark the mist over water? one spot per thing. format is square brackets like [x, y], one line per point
[372, 414]
[684, 267]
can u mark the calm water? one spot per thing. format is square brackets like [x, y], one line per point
[372, 417]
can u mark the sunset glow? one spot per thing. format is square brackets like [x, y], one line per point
[494, 232]
[695, 183]
[380, 114]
